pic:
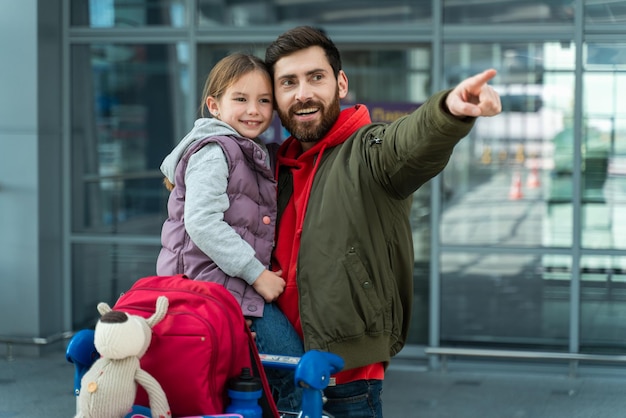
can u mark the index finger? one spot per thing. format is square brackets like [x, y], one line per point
[481, 79]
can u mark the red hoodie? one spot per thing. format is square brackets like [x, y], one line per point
[303, 166]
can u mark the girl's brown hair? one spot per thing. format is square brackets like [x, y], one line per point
[226, 72]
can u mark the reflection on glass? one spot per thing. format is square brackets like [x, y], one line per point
[510, 181]
[100, 273]
[385, 74]
[313, 12]
[605, 11]
[127, 13]
[503, 299]
[506, 11]
[603, 302]
[128, 105]
[604, 147]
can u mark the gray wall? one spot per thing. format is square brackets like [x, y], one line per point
[31, 259]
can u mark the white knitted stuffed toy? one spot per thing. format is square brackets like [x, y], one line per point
[109, 387]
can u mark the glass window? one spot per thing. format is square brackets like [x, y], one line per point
[509, 182]
[604, 146]
[100, 273]
[320, 12]
[128, 109]
[603, 303]
[127, 13]
[507, 11]
[506, 299]
[612, 12]
[381, 73]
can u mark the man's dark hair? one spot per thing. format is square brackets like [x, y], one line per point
[300, 38]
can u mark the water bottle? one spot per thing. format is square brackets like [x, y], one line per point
[244, 392]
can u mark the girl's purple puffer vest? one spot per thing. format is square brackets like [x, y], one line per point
[252, 193]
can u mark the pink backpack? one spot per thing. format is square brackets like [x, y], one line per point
[201, 343]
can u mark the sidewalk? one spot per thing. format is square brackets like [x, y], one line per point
[42, 387]
[37, 387]
[504, 391]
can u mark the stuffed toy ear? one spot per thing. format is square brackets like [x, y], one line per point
[103, 308]
[162, 304]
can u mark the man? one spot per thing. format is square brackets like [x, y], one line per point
[344, 241]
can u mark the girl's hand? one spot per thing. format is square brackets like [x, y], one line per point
[269, 285]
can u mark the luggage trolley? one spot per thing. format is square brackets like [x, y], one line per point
[312, 374]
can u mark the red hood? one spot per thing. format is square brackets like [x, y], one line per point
[349, 121]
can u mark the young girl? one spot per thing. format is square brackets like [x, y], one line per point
[222, 205]
[222, 209]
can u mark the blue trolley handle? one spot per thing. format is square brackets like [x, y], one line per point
[313, 375]
[81, 352]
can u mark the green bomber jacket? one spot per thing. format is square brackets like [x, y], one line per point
[355, 265]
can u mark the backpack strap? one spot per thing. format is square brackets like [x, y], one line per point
[267, 400]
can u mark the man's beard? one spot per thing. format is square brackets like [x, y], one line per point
[311, 131]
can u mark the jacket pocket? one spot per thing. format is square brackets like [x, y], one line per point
[365, 299]
[393, 312]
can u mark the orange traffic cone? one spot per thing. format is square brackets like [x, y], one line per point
[515, 193]
[533, 182]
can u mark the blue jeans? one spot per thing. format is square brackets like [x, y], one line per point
[358, 399]
[276, 335]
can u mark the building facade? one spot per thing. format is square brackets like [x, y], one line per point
[519, 244]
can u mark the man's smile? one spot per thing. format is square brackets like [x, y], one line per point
[306, 111]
